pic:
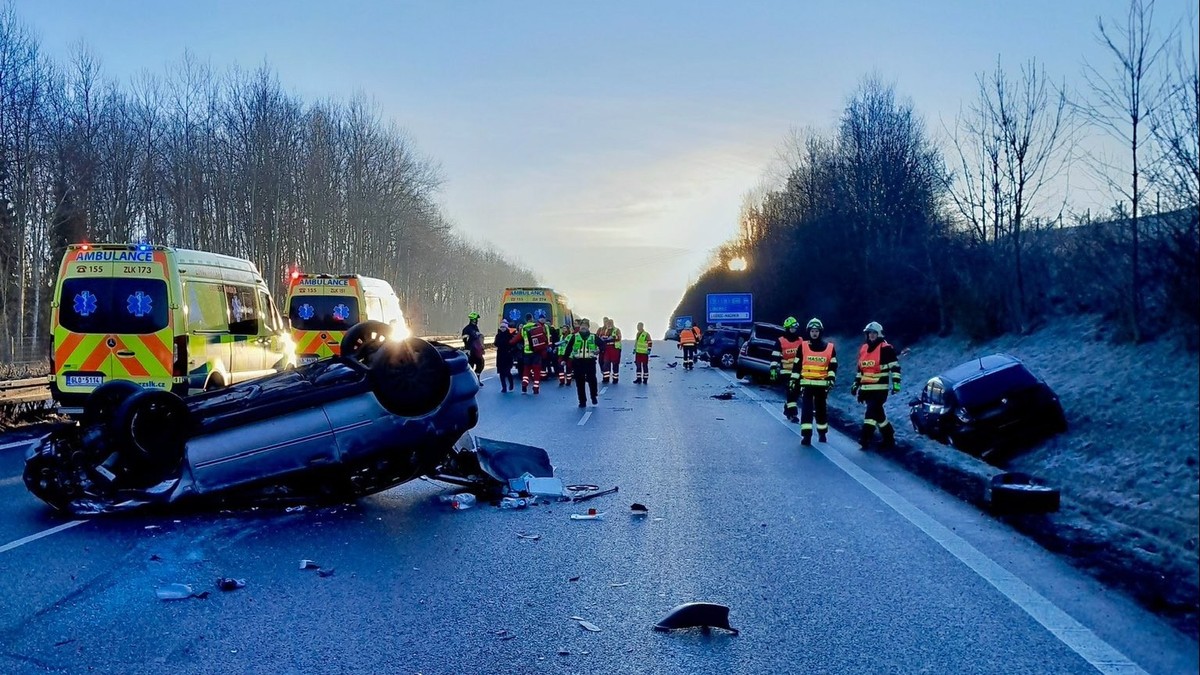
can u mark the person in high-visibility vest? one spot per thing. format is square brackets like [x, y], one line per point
[782, 361]
[689, 337]
[560, 350]
[878, 374]
[536, 340]
[583, 348]
[814, 373]
[611, 344]
[641, 355]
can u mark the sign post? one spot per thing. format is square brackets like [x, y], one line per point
[730, 307]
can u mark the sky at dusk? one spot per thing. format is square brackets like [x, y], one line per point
[606, 145]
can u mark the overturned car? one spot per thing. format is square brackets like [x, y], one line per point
[381, 414]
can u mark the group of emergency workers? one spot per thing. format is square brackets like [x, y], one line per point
[810, 364]
[572, 353]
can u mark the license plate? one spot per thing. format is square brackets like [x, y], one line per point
[85, 380]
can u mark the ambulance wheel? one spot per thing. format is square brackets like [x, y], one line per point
[364, 339]
[409, 378]
[104, 400]
[154, 426]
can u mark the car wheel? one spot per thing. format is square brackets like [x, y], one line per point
[727, 360]
[364, 339]
[1016, 492]
[409, 378]
[104, 400]
[154, 424]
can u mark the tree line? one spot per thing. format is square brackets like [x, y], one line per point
[875, 220]
[225, 162]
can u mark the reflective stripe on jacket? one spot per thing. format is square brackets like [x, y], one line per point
[583, 347]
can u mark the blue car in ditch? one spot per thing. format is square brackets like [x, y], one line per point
[382, 413]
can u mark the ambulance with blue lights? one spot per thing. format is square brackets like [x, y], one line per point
[322, 307]
[163, 318]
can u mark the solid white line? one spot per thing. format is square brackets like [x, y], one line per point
[1101, 655]
[44, 533]
[586, 416]
[5, 482]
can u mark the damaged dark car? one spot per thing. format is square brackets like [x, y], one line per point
[986, 406]
[381, 414]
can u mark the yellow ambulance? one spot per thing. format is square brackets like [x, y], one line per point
[161, 317]
[322, 307]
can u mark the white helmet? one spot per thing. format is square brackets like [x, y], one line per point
[874, 326]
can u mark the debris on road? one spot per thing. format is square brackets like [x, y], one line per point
[530, 537]
[309, 565]
[174, 592]
[295, 509]
[60, 643]
[724, 396]
[586, 625]
[326, 572]
[152, 527]
[154, 557]
[536, 486]
[704, 615]
[230, 584]
[620, 585]
[459, 501]
[672, 364]
[590, 515]
[639, 509]
[574, 578]
[563, 652]
[584, 498]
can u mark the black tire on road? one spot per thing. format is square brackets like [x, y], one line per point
[154, 425]
[409, 377]
[364, 339]
[100, 406]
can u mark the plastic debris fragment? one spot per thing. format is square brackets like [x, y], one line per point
[309, 565]
[174, 592]
[230, 584]
[586, 625]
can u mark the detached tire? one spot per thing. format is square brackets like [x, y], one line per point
[364, 339]
[1021, 493]
[409, 378]
[153, 426]
[100, 406]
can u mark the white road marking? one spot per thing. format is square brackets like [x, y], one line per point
[586, 416]
[44, 533]
[15, 480]
[1101, 655]
[603, 390]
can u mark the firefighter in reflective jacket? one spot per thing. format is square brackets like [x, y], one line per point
[536, 340]
[642, 345]
[582, 348]
[814, 374]
[878, 374]
[688, 339]
[783, 360]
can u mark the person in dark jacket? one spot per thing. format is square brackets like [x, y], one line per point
[505, 350]
[473, 343]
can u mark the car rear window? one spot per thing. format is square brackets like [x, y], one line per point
[126, 306]
[770, 333]
[994, 385]
[323, 312]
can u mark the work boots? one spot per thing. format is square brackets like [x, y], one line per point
[864, 437]
[889, 435]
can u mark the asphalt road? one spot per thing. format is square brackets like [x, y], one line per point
[831, 560]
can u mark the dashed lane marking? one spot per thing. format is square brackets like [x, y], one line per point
[586, 416]
[1101, 655]
[44, 533]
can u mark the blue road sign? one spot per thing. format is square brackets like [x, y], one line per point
[730, 307]
[682, 322]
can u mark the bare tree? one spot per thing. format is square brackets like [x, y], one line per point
[1122, 102]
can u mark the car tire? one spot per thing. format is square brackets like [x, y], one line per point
[409, 378]
[364, 339]
[741, 374]
[154, 425]
[100, 406]
[727, 360]
[1015, 492]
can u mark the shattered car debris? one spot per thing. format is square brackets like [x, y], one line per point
[381, 414]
